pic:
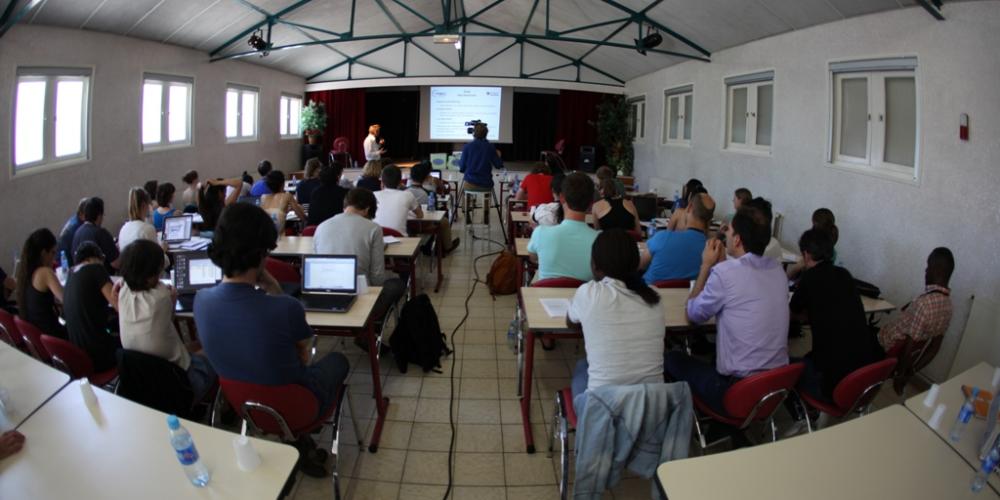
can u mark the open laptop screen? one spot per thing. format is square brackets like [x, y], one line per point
[177, 229]
[194, 271]
[329, 273]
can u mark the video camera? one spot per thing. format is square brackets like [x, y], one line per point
[472, 126]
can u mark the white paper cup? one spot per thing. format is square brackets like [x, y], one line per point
[362, 284]
[935, 419]
[932, 395]
[247, 458]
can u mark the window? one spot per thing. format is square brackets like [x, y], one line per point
[51, 109]
[637, 118]
[750, 111]
[241, 113]
[875, 115]
[678, 104]
[166, 110]
[290, 108]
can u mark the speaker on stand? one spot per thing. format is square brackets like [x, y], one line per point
[588, 159]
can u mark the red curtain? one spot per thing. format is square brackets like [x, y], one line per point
[575, 124]
[345, 117]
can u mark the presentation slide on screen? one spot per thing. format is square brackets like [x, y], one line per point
[329, 274]
[452, 108]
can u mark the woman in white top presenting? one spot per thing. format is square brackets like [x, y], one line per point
[373, 144]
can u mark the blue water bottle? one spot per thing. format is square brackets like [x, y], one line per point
[187, 454]
[63, 261]
[516, 185]
[431, 201]
[988, 465]
[964, 415]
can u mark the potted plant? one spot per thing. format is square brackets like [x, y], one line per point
[313, 121]
[614, 133]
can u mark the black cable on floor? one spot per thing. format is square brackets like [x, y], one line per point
[454, 361]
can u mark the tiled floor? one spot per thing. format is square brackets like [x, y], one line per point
[490, 460]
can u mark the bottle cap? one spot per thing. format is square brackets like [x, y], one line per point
[172, 422]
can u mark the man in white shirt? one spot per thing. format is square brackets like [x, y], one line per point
[373, 145]
[395, 205]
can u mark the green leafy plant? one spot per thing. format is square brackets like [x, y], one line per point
[313, 118]
[614, 134]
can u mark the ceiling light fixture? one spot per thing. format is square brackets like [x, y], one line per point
[458, 44]
[257, 42]
[652, 39]
[449, 38]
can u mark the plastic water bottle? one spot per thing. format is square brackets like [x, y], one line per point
[431, 202]
[512, 335]
[63, 260]
[652, 229]
[988, 465]
[677, 198]
[964, 415]
[187, 454]
[516, 185]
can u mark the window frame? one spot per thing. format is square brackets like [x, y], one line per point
[875, 72]
[52, 75]
[637, 118]
[752, 83]
[683, 93]
[241, 90]
[166, 80]
[297, 135]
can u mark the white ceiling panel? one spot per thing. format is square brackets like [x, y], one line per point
[67, 13]
[118, 16]
[505, 64]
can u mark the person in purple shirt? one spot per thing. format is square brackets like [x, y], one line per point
[748, 296]
[260, 188]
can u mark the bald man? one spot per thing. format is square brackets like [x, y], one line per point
[677, 254]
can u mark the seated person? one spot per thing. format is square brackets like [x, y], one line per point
[164, 205]
[740, 197]
[279, 202]
[420, 185]
[674, 255]
[823, 219]
[612, 210]
[189, 198]
[69, 231]
[305, 187]
[353, 233]
[692, 186]
[260, 187]
[38, 288]
[828, 300]
[371, 176]
[214, 196]
[250, 331]
[550, 214]
[91, 230]
[621, 318]
[606, 172]
[928, 315]
[85, 307]
[327, 200]
[564, 250]
[146, 313]
[137, 228]
[748, 296]
[150, 187]
[773, 249]
[536, 187]
[395, 205]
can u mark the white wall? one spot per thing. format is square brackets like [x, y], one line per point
[887, 228]
[116, 162]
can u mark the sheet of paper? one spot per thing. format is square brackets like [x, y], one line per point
[555, 308]
[390, 240]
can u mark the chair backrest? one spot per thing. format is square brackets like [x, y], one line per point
[860, 387]
[341, 158]
[67, 357]
[295, 404]
[672, 284]
[559, 146]
[309, 230]
[645, 206]
[9, 331]
[32, 338]
[757, 396]
[636, 235]
[282, 271]
[153, 382]
[388, 231]
[557, 283]
[340, 144]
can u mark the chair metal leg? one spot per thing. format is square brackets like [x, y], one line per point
[354, 417]
[701, 435]
[805, 412]
[216, 403]
[774, 429]
[519, 346]
[564, 458]
[335, 445]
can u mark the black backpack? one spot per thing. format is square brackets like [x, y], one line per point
[418, 338]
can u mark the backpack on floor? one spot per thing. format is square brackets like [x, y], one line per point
[502, 278]
[417, 338]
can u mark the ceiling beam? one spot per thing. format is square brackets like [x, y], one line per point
[490, 58]
[256, 26]
[589, 26]
[531, 14]
[933, 7]
[415, 12]
[355, 58]
[581, 63]
[10, 18]
[640, 16]
[483, 10]
[391, 17]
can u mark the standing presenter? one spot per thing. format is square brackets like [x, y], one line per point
[374, 145]
[478, 160]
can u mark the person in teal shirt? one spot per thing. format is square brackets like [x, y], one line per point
[563, 250]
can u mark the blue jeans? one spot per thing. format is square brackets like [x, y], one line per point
[705, 382]
[579, 385]
[201, 375]
[328, 374]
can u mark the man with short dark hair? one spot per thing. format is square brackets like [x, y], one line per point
[676, 255]
[395, 205]
[260, 187]
[327, 200]
[563, 251]
[748, 296]
[69, 231]
[928, 315]
[420, 185]
[773, 249]
[91, 230]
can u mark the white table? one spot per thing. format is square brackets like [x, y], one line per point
[888, 454]
[125, 453]
[950, 394]
[28, 382]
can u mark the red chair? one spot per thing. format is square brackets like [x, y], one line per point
[287, 411]
[340, 144]
[672, 284]
[9, 332]
[388, 231]
[913, 356]
[855, 393]
[309, 230]
[75, 362]
[32, 338]
[636, 235]
[282, 271]
[753, 399]
[560, 282]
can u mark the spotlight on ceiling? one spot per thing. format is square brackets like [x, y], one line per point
[651, 40]
[257, 42]
[450, 38]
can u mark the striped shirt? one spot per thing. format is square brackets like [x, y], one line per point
[927, 316]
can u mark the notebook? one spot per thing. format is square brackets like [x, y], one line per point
[329, 282]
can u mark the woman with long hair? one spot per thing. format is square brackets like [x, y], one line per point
[38, 288]
[278, 203]
[613, 210]
[137, 227]
[621, 318]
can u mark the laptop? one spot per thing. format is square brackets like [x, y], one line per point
[329, 282]
[177, 229]
[436, 174]
[192, 272]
